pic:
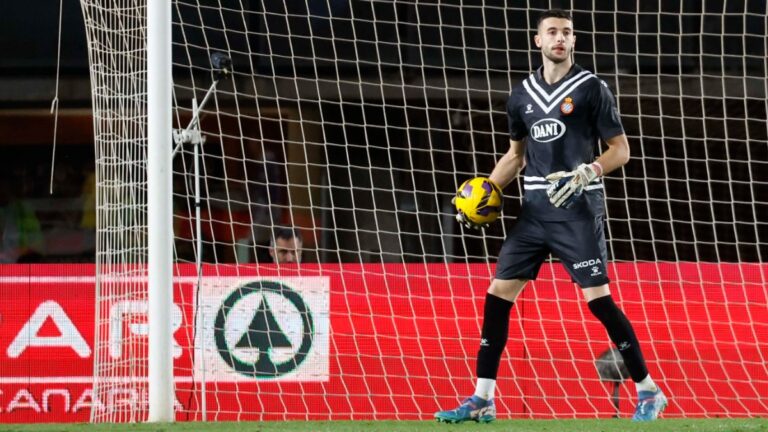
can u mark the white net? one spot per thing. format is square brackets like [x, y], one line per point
[354, 121]
[116, 34]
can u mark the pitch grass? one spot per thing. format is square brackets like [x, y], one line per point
[607, 425]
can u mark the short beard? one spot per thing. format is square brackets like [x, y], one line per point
[556, 59]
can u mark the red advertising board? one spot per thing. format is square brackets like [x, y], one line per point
[403, 333]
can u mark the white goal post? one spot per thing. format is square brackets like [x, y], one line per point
[159, 213]
[353, 122]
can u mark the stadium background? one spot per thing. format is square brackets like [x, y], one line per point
[682, 146]
[684, 154]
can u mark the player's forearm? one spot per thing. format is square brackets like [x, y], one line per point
[616, 156]
[507, 169]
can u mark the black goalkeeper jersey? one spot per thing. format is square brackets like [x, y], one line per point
[563, 124]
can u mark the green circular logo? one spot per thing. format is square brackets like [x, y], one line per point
[264, 334]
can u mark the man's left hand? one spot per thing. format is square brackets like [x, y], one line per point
[566, 186]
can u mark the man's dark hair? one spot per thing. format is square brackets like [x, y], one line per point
[554, 13]
[287, 234]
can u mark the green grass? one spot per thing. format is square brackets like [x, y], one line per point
[607, 425]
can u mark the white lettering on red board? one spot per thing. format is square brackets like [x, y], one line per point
[68, 336]
[123, 311]
[24, 399]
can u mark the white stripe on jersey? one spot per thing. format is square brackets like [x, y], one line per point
[544, 186]
[543, 179]
[585, 75]
[560, 89]
[542, 183]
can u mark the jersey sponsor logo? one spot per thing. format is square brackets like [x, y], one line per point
[587, 263]
[567, 106]
[547, 130]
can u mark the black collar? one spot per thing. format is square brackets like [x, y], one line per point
[573, 71]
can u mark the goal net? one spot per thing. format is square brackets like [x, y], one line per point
[354, 122]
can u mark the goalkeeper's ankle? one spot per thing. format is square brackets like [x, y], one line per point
[647, 385]
[485, 388]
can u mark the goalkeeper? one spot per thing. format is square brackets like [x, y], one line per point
[556, 117]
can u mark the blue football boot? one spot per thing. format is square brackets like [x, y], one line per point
[473, 408]
[649, 406]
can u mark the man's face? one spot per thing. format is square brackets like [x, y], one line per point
[556, 39]
[286, 251]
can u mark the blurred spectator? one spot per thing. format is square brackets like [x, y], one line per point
[21, 239]
[285, 246]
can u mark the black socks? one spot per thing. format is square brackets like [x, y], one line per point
[496, 331]
[494, 335]
[621, 333]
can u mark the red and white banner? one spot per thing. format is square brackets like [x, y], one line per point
[387, 340]
[262, 328]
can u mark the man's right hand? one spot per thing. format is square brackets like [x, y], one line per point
[464, 220]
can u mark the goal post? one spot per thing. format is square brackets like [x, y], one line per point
[159, 212]
[354, 122]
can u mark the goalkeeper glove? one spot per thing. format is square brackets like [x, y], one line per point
[464, 220]
[566, 186]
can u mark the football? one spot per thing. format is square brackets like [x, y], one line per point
[479, 200]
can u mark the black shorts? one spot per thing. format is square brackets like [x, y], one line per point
[580, 245]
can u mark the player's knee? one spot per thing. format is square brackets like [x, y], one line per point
[605, 310]
[507, 289]
[593, 293]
